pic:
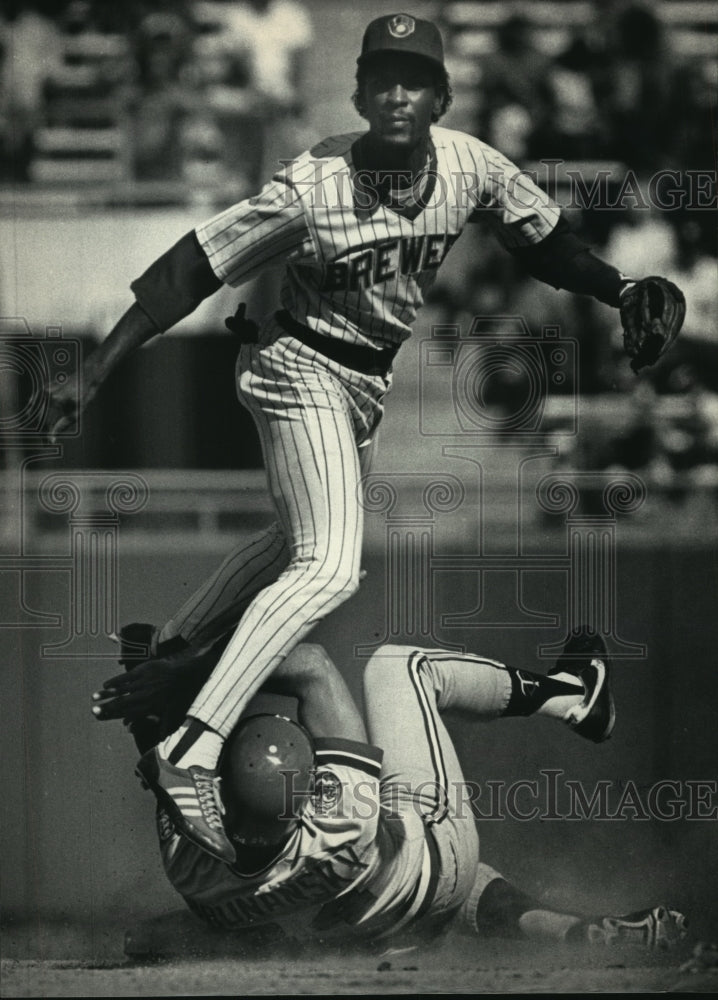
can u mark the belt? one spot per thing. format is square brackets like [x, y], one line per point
[367, 360]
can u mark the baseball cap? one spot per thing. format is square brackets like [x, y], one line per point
[403, 33]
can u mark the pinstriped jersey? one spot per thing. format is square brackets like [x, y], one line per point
[358, 264]
[333, 848]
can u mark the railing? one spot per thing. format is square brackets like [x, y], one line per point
[203, 510]
[487, 522]
[146, 505]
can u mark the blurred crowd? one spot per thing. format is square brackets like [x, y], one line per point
[616, 90]
[192, 88]
[206, 92]
[616, 102]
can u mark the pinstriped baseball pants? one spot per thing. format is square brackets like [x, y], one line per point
[220, 602]
[316, 422]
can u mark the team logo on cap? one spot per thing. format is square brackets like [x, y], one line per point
[401, 25]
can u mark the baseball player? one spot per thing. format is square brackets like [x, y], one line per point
[362, 223]
[373, 836]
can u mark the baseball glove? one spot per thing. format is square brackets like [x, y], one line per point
[652, 313]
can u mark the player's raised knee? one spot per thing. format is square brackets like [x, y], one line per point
[308, 662]
[388, 659]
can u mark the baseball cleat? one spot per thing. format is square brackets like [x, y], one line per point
[191, 796]
[584, 656]
[658, 928]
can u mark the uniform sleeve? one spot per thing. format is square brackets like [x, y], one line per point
[516, 209]
[565, 261]
[175, 284]
[345, 804]
[257, 233]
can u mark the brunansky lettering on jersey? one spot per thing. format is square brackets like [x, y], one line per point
[318, 881]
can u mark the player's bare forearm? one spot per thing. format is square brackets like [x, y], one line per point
[132, 330]
[325, 706]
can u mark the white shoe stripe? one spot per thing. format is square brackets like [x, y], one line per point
[578, 713]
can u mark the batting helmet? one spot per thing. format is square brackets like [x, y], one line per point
[267, 772]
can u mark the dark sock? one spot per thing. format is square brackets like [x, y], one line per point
[530, 691]
[193, 732]
[500, 908]
[578, 933]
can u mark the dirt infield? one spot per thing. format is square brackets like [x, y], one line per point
[457, 965]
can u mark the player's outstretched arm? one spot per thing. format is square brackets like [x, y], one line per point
[170, 289]
[165, 687]
[651, 309]
[325, 706]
